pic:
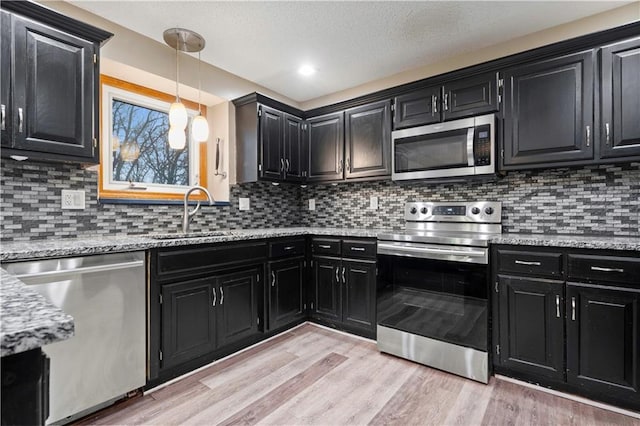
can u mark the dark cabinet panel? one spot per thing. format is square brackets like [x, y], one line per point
[368, 140]
[294, 149]
[603, 343]
[548, 111]
[325, 136]
[358, 307]
[417, 108]
[620, 100]
[188, 321]
[532, 326]
[470, 96]
[271, 142]
[237, 307]
[326, 281]
[5, 79]
[285, 292]
[531, 262]
[53, 91]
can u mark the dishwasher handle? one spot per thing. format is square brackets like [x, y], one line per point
[84, 270]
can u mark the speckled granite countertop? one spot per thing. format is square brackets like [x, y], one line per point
[27, 319]
[17, 251]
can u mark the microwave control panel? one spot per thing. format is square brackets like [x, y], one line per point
[482, 146]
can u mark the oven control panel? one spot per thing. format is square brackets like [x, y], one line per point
[474, 212]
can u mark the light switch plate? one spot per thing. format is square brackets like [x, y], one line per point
[373, 202]
[72, 200]
[243, 203]
[312, 203]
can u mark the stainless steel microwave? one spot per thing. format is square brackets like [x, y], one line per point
[463, 147]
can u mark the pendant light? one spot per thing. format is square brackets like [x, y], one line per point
[186, 41]
[199, 125]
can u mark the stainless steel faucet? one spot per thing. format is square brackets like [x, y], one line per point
[187, 215]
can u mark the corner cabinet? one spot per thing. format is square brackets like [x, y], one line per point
[50, 101]
[569, 319]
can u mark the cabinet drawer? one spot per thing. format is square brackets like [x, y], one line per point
[530, 262]
[355, 248]
[287, 248]
[326, 246]
[604, 268]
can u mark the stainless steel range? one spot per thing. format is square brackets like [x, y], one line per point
[432, 289]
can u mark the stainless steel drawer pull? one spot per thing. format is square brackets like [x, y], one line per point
[434, 104]
[337, 276]
[446, 102]
[601, 269]
[273, 279]
[588, 135]
[607, 133]
[221, 296]
[289, 247]
[573, 309]
[20, 120]
[3, 124]
[557, 306]
[358, 248]
[344, 280]
[524, 262]
[282, 164]
[324, 246]
[214, 297]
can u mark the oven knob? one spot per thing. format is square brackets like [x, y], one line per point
[475, 210]
[414, 210]
[424, 210]
[488, 210]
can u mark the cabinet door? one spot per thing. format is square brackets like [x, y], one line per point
[188, 321]
[326, 282]
[285, 294]
[293, 149]
[358, 306]
[470, 96]
[5, 79]
[603, 342]
[53, 91]
[417, 108]
[271, 155]
[620, 130]
[237, 306]
[368, 140]
[325, 147]
[548, 111]
[532, 326]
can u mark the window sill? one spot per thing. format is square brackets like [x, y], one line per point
[133, 201]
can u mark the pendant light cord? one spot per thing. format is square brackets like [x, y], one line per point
[199, 83]
[177, 69]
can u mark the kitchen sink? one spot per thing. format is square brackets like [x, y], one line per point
[181, 235]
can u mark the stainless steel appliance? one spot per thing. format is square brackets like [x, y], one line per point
[463, 147]
[105, 358]
[432, 289]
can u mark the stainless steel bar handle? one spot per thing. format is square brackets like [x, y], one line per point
[344, 280]
[287, 165]
[324, 246]
[557, 306]
[434, 104]
[337, 272]
[573, 309]
[601, 269]
[607, 133]
[524, 262]
[470, 158]
[3, 114]
[273, 279]
[214, 297]
[20, 120]
[588, 135]
[348, 164]
[289, 247]
[282, 164]
[340, 166]
[446, 102]
[357, 248]
[221, 296]
[85, 270]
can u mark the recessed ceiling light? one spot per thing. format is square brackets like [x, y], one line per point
[306, 70]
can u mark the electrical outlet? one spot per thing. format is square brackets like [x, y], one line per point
[373, 202]
[312, 203]
[243, 203]
[72, 200]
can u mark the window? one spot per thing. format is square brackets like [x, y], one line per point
[136, 161]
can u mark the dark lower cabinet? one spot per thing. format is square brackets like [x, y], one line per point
[25, 388]
[358, 306]
[532, 325]
[326, 288]
[603, 339]
[286, 296]
[237, 306]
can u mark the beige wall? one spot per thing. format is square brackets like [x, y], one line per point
[599, 22]
[219, 117]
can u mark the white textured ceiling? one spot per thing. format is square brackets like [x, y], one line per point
[350, 43]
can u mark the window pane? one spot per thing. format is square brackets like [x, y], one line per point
[140, 149]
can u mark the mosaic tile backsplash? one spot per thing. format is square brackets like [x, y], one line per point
[601, 200]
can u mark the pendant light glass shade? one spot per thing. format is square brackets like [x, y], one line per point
[200, 129]
[178, 116]
[177, 138]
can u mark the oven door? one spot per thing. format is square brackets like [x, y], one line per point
[439, 299]
[437, 150]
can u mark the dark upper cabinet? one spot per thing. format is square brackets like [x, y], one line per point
[603, 342]
[326, 288]
[368, 141]
[51, 103]
[620, 100]
[237, 306]
[456, 99]
[548, 112]
[271, 143]
[358, 306]
[286, 297]
[325, 147]
[188, 321]
[294, 147]
[531, 325]
[5, 80]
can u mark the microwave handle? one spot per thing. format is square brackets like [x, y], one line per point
[470, 156]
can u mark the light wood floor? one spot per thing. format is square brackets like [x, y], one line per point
[311, 375]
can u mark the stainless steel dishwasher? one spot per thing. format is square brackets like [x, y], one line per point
[106, 358]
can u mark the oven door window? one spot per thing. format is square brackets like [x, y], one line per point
[437, 299]
[444, 150]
